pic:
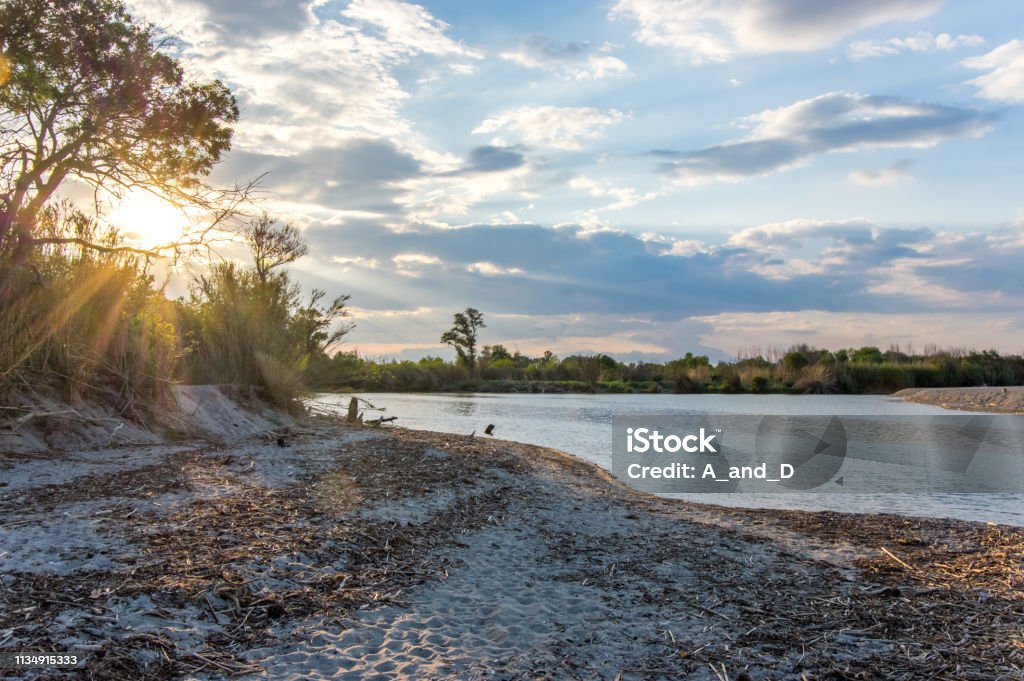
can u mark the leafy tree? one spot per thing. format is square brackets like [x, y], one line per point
[495, 352]
[868, 355]
[273, 244]
[795, 360]
[248, 324]
[311, 324]
[463, 335]
[92, 95]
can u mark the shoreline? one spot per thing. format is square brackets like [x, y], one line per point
[357, 551]
[1004, 400]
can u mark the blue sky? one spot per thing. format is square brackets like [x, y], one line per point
[638, 177]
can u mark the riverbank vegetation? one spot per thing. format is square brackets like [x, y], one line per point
[800, 369]
[93, 103]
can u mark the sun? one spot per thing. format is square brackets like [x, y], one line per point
[147, 220]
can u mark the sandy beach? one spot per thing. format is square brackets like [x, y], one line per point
[1005, 400]
[387, 553]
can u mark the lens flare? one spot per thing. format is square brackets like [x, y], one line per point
[148, 220]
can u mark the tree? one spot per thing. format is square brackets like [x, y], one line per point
[869, 354]
[91, 95]
[463, 336]
[495, 352]
[273, 244]
[248, 323]
[795, 360]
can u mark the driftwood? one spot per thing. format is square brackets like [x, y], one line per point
[380, 420]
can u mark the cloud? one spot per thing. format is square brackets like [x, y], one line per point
[233, 20]
[412, 264]
[410, 25]
[355, 175]
[489, 171]
[824, 329]
[551, 288]
[489, 269]
[895, 174]
[359, 261]
[686, 247]
[622, 197]
[581, 61]
[1005, 78]
[554, 127]
[836, 122]
[488, 159]
[717, 30]
[918, 42]
[852, 264]
[320, 81]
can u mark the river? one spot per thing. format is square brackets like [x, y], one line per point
[582, 425]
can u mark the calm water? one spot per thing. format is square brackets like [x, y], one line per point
[581, 425]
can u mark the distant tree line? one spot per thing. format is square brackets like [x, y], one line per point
[799, 369]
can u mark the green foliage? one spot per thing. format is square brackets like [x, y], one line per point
[247, 325]
[795, 361]
[501, 372]
[92, 96]
[868, 355]
[463, 336]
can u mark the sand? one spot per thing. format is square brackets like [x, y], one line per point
[384, 553]
[1006, 400]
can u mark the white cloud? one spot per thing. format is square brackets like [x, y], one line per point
[552, 126]
[1005, 78]
[895, 174]
[716, 30]
[580, 61]
[363, 313]
[790, 136]
[407, 259]
[918, 42]
[489, 269]
[321, 82]
[429, 197]
[779, 235]
[623, 197]
[686, 248]
[412, 264]
[369, 263]
[410, 25]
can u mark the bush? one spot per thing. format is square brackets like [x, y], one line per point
[817, 379]
[759, 384]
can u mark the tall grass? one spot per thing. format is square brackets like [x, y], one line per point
[87, 324]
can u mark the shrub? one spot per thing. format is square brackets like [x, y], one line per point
[816, 379]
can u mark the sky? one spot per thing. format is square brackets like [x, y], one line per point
[637, 177]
